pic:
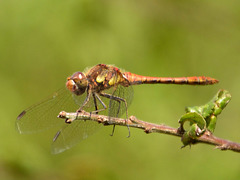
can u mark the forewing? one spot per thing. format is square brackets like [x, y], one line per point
[73, 133]
[43, 115]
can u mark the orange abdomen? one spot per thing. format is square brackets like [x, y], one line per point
[195, 80]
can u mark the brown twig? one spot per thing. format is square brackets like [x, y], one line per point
[207, 137]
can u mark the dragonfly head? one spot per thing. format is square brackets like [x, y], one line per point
[77, 83]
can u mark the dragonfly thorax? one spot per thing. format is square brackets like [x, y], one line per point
[77, 83]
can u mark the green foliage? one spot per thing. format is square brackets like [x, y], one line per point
[203, 117]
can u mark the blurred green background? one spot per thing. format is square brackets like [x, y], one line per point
[43, 42]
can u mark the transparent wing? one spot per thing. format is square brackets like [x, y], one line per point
[43, 115]
[118, 108]
[73, 133]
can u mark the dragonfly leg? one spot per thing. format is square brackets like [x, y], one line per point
[119, 100]
[96, 97]
[95, 103]
[113, 130]
[84, 104]
[85, 101]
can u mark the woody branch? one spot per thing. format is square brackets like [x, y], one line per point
[133, 122]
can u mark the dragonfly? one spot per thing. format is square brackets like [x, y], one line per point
[102, 89]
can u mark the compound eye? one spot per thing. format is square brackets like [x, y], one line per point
[74, 88]
[80, 79]
[71, 85]
[77, 83]
[78, 76]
